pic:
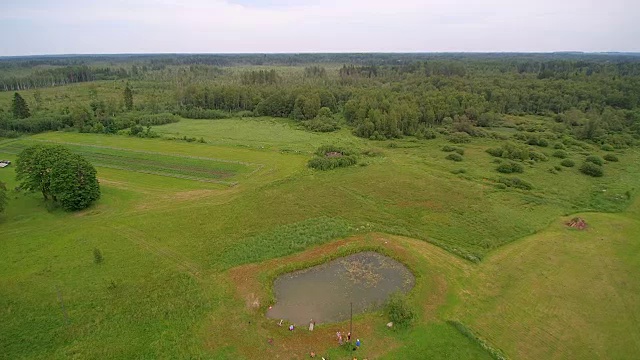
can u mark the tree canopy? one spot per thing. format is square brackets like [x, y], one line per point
[60, 175]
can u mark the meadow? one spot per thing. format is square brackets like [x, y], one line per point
[193, 233]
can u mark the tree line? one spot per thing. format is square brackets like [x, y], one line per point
[594, 97]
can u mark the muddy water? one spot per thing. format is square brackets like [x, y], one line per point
[324, 292]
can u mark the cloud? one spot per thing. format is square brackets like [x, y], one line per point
[73, 26]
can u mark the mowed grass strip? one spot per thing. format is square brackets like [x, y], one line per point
[192, 168]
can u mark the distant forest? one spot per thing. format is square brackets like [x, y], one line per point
[596, 97]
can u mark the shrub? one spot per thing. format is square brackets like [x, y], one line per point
[537, 156]
[426, 134]
[449, 148]
[591, 169]
[594, 159]
[511, 151]
[568, 163]
[460, 138]
[497, 152]
[321, 124]
[155, 119]
[97, 256]
[516, 183]
[330, 163]
[559, 146]
[459, 171]
[454, 157]
[611, 158]
[199, 113]
[510, 167]
[327, 149]
[561, 154]
[398, 310]
[606, 147]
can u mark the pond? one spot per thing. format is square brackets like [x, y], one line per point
[324, 292]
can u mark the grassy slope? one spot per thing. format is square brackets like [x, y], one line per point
[165, 240]
[563, 293]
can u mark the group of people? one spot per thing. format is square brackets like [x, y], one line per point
[339, 336]
[341, 340]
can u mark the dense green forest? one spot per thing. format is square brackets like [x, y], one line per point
[594, 97]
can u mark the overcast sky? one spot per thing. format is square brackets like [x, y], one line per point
[30, 27]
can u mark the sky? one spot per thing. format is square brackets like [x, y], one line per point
[34, 27]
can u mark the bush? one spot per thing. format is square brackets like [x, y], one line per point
[611, 158]
[537, 156]
[607, 147]
[449, 148]
[97, 256]
[327, 149]
[330, 163]
[460, 138]
[559, 146]
[459, 171]
[511, 151]
[591, 169]
[426, 134]
[516, 183]
[594, 159]
[155, 119]
[568, 163]
[497, 152]
[398, 310]
[199, 113]
[454, 157]
[510, 167]
[321, 124]
[561, 154]
[330, 157]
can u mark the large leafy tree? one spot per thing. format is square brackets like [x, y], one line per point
[19, 107]
[74, 183]
[306, 106]
[59, 174]
[3, 196]
[34, 166]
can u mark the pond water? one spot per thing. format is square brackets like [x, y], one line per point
[324, 292]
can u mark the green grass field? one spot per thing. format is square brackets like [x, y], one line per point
[171, 228]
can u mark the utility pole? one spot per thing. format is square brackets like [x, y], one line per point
[351, 328]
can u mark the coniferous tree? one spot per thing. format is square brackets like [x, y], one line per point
[3, 196]
[19, 107]
[128, 98]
